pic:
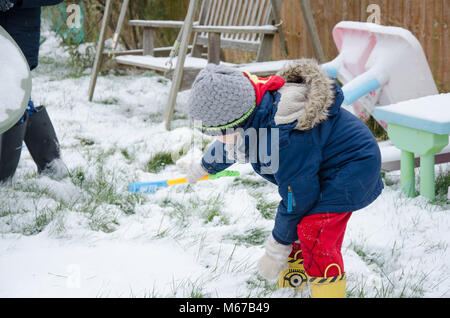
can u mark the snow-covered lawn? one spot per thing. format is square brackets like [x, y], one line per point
[86, 236]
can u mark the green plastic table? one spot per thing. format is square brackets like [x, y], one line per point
[420, 126]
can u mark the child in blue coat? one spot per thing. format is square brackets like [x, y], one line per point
[292, 129]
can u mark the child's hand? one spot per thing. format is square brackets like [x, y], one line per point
[191, 166]
[274, 260]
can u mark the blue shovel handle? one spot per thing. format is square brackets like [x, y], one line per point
[152, 187]
[146, 187]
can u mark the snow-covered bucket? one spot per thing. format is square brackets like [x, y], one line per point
[15, 82]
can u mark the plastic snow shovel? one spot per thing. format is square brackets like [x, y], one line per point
[15, 79]
[152, 187]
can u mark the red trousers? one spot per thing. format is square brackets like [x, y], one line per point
[321, 237]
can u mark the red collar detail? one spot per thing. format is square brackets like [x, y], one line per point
[262, 85]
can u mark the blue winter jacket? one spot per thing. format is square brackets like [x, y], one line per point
[23, 23]
[329, 161]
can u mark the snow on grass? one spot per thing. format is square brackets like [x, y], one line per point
[86, 236]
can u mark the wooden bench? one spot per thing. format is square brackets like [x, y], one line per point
[242, 24]
[420, 126]
[246, 25]
[218, 37]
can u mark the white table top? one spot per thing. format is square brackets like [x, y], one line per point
[429, 113]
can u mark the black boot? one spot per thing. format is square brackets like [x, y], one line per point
[43, 144]
[10, 150]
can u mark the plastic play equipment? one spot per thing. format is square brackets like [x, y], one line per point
[378, 66]
[15, 79]
[152, 187]
[421, 127]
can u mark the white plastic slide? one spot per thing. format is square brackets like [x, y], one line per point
[378, 66]
[15, 82]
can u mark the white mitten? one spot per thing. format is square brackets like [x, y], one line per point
[191, 166]
[274, 260]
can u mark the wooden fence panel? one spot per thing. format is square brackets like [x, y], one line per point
[428, 20]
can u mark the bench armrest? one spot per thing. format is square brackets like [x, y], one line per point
[266, 29]
[157, 23]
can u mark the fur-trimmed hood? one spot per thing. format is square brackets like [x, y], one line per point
[307, 95]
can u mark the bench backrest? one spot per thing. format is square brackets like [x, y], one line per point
[235, 13]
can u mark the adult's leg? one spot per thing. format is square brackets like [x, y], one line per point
[43, 144]
[10, 149]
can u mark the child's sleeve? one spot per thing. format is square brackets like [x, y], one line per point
[298, 185]
[215, 158]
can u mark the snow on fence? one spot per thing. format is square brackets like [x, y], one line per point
[427, 20]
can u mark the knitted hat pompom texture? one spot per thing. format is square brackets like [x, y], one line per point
[220, 97]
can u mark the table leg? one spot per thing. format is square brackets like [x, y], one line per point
[407, 177]
[427, 185]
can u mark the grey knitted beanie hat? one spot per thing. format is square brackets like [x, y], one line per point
[221, 98]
